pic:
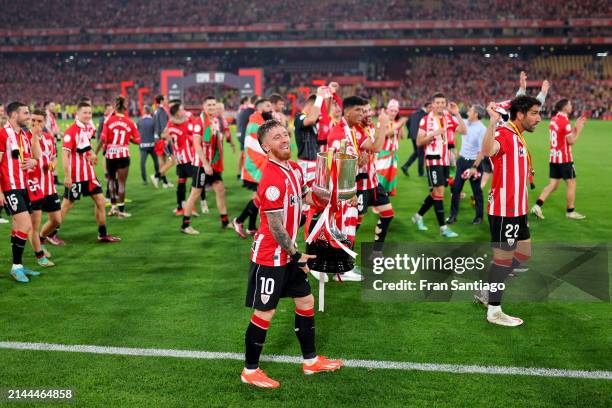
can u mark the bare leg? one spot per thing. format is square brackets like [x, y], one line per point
[34, 237]
[571, 192]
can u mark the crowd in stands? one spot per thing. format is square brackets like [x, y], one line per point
[465, 77]
[148, 13]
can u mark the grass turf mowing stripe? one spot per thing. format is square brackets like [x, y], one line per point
[373, 364]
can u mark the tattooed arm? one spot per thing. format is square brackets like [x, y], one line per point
[281, 236]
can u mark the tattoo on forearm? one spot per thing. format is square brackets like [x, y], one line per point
[275, 222]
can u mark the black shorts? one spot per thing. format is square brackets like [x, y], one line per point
[507, 231]
[565, 171]
[199, 177]
[82, 188]
[216, 176]
[112, 165]
[184, 170]
[37, 204]
[486, 166]
[17, 201]
[267, 284]
[371, 197]
[437, 176]
[249, 185]
[51, 203]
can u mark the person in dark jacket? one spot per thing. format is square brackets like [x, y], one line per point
[146, 127]
[160, 117]
[413, 130]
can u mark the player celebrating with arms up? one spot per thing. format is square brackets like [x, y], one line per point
[562, 137]
[508, 197]
[278, 269]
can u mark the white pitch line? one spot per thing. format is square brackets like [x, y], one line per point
[385, 365]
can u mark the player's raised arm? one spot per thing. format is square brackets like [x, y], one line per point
[576, 130]
[454, 110]
[313, 114]
[490, 146]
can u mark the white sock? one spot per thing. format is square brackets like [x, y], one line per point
[249, 370]
[491, 310]
[17, 266]
[310, 361]
[418, 216]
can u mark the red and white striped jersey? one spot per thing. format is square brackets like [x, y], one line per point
[355, 137]
[508, 195]
[280, 190]
[437, 149]
[15, 147]
[46, 163]
[35, 191]
[117, 133]
[342, 131]
[182, 141]
[367, 133]
[560, 128]
[77, 140]
[209, 127]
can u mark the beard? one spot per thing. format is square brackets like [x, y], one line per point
[282, 154]
[267, 115]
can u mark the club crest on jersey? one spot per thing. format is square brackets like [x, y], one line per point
[265, 298]
[521, 151]
[272, 193]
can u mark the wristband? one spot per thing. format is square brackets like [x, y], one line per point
[319, 101]
[296, 257]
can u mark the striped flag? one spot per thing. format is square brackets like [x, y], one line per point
[255, 158]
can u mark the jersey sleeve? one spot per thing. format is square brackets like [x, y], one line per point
[69, 142]
[197, 128]
[299, 121]
[503, 142]
[335, 136]
[567, 128]
[106, 132]
[422, 124]
[452, 123]
[3, 137]
[271, 194]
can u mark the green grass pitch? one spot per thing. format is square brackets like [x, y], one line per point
[162, 289]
